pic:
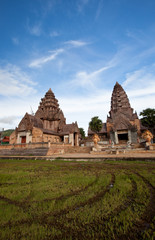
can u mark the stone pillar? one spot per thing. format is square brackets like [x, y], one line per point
[18, 139]
[116, 137]
[112, 137]
[66, 139]
[129, 136]
[134, 137]
[76, 139]
[28, 137]
[71, 138]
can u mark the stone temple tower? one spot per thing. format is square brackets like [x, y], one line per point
[50, 113]
[122, 123]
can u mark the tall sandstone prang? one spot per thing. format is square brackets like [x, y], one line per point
[122, 123]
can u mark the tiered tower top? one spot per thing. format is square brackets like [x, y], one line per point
[49, 102]
[119, 99]
[49, 107]
[120, 105]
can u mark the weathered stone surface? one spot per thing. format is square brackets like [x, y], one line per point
[121, 117]
[47, 125]
[50, 113]
[28, 122]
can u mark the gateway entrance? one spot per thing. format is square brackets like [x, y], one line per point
[123, 136]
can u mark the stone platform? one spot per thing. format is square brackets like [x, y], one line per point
[148, 156]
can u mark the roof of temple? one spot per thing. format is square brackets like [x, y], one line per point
[70, 128]
[49, 108]
[28, 122]
[46, 131]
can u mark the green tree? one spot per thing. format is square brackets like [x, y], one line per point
[82, 132]
[148, 118]
[95, 124]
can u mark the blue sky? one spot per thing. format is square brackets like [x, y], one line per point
[79, 49]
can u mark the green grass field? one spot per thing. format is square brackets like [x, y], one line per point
[77, 200]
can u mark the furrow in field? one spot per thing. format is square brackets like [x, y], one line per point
[27, 203]
[43, 219]
[80, 230]
[70, 194]
[144, 223]
[13, 202]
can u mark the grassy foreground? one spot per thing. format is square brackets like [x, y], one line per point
[77, 200]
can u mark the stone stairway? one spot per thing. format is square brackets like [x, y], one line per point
[67, 149]
[24, 152]
[77, 149]
[119, 148]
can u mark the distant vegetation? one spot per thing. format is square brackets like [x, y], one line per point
[72, 200]
[7, 132]
[148, 118]
[95, 124]
[82, 132]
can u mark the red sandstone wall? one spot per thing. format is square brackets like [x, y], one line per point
[13, 138]
[66, 148]
[137, 123]
[25, 145]
[109, 126]
[53, 139]
[39, 136]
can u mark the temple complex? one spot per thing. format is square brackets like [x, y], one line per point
[122, 124]
[47, 125]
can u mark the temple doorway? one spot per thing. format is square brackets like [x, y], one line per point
[23, 139]
[122, 137]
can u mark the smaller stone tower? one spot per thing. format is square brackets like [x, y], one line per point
[50, 113]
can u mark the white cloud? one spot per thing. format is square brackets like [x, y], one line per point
[82, 109]
[8, 120]
[14, 108]
[137, 36]
[40, 61]
[142, 91]
[99, 9]
[76, 43]
[15, 41]
[35, 30]
[15, 82]
[141, 82]
[84, 79]
[82, 4]
[54, 34]
[140, 103]
[46, 6]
